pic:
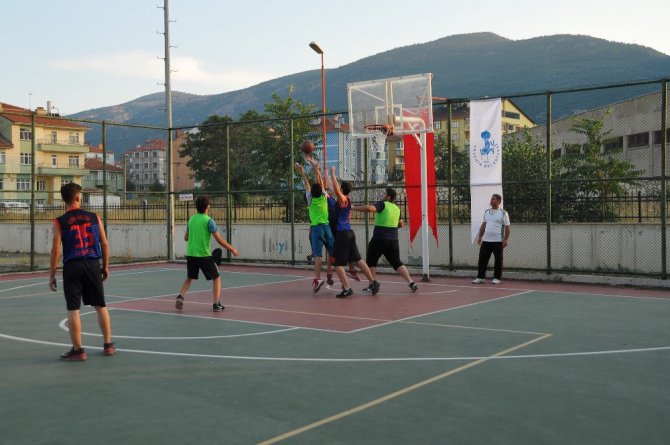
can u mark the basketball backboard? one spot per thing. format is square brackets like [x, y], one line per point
[403, 102]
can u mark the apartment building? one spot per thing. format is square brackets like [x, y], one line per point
[145, 164]
[57, 158]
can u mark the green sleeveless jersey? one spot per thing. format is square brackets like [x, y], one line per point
[389, 217]
[199, 236]
[318, 211]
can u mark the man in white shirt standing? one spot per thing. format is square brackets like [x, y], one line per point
[493, 238]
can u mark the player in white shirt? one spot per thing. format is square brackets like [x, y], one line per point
[493, 237]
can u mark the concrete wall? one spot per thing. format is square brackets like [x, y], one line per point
[633, 248]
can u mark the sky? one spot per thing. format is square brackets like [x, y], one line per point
[85, 54]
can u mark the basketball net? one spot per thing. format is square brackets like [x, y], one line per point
[377, 135]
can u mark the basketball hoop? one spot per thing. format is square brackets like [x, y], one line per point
[386, 130]
[378, 134]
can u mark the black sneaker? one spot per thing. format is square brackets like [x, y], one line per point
[367, 289]
[345, 293]
[329, 279]
[374, 287]
[179, 303]
[413, 286]
[218, 307]
[74, 355]
[108, 349]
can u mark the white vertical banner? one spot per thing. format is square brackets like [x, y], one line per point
[485, 157]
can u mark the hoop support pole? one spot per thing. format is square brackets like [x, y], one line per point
[424, 209]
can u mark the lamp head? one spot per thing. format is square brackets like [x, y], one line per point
[315, 46]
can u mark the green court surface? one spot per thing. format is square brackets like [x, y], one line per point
[518, 363]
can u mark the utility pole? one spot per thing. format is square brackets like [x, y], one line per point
[168, 138]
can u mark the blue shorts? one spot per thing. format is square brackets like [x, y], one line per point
[322, 236]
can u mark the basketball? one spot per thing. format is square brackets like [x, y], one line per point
[307, 147]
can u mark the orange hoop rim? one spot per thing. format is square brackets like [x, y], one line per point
[384, 129]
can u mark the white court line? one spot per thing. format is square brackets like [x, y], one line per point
[63, 326]
[353, 359]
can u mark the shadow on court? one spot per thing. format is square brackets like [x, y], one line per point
[452, 363]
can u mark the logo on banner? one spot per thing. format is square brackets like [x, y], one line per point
[486, 153]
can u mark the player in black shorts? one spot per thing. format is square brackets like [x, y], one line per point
[84, 242]
[385, 236]
[346, 251]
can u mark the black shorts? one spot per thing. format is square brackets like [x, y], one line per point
[346, 250]
[387, 247]
[82, 281]
[194, 264]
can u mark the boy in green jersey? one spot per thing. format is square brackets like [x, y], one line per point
[320, 233]
[199, 232]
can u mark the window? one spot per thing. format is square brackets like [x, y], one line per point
[455, 124]
[154, 154]
[146, 176]
[511, 115]
[2, 184]
[74, 161]
[25, 134]
[2, 157]
[54, 161]
[613, 145]
[41, 184]
[658, 134]
[26, 158]
[155, 165]
[573, 149]
[54, 137]
[146, 166]
[23, 184]
[137, 154]
[156, 176]
[146, 154]
[137, 166]
[64, 181]
[437, 125]
[638, 140]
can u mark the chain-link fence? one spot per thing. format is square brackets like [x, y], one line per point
[585, 175]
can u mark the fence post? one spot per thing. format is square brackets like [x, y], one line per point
[549, 182]
[664, 178]
[366, 167]
[104, 174]
[291, 185]
[229, 229]
[450, 189]
[33, 184]
[639, 206]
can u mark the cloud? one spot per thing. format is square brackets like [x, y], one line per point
[188, 74]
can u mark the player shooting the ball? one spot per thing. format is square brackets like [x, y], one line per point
[317, 204]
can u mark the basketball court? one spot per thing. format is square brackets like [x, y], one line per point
[521, 362]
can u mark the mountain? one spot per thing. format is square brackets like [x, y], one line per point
[463, 66]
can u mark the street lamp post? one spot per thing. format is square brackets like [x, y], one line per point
[315, 46]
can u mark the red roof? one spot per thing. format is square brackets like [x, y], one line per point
[96, 164]
[23, 116]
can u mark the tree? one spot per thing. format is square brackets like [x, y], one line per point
[586, 182]
[260, 147]
[524, 177]
[461, 173]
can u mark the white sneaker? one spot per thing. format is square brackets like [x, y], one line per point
[478, 281]
[495, 281]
